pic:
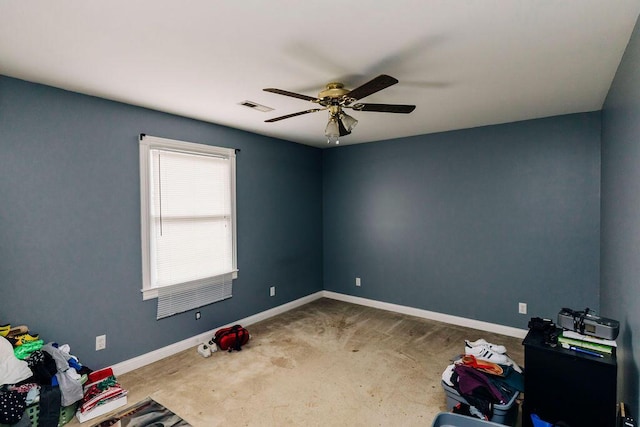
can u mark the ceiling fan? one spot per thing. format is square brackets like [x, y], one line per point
[336, 98]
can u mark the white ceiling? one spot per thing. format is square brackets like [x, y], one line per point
[463, 63]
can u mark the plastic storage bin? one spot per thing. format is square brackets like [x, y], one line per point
[33, 413]
[506, 414]
[445, 419]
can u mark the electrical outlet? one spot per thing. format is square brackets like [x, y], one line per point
[101, 342]
[272, 291]
[198, 315]
[522, 307]
[357, 281]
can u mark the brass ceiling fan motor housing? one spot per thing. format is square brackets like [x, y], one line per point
[333, 91]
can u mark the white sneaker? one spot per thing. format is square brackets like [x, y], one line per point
[485, 353]
[204, 350]
[481, 342]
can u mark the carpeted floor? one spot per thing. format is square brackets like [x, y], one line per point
[328, 363]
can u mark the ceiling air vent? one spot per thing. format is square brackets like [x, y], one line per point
[256, 106]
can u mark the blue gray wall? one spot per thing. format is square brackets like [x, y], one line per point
[470, 222]
[70, 221]
[620, 259]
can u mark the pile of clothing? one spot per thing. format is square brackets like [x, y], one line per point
[484, 376]
[32, 372]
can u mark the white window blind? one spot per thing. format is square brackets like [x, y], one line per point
[188, 223]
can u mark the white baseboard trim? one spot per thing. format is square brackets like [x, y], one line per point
[431, 315]
[170, 350]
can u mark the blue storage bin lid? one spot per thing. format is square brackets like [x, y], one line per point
[446, 419]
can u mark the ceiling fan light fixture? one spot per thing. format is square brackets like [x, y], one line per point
[348, 122]
[332, 131]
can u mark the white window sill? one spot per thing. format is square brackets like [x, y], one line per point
[152, 293]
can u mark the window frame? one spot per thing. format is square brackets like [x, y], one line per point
[148, 143]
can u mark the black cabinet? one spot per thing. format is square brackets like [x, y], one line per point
[563, 385]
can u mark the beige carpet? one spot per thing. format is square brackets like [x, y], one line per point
[328, 363]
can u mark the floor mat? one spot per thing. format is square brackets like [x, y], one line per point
[145, 413]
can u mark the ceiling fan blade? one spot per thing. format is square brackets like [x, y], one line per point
[343, 130]
[287, 93]
[288, 116]
[385, 108]
[383, 81]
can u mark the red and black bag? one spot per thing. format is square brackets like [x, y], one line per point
[232, 338]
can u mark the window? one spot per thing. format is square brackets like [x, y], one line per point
[188, 223]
